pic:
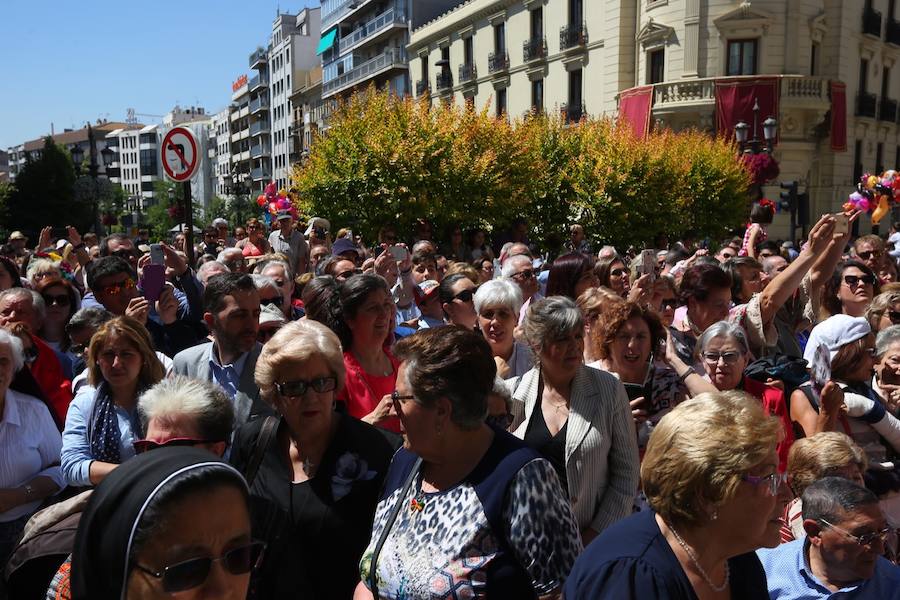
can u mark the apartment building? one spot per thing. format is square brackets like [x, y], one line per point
[516, 57]
[239, 123]
[222, 156]
[4, 166]
[69, 138]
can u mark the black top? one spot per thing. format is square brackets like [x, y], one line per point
[632, 559]
[551, 447]
[315, 540]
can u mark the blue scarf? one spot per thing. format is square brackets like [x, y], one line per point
[104, 432]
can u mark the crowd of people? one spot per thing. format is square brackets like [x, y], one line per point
[303, 414]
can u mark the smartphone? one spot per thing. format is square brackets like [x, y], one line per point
[157, 256]
[153, 279]
[648, 263]
[635, 391]
[842, 223]
[399, 252]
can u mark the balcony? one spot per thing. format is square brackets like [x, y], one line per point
[260, 150]
[390, 59]
[258, 82]
[422, 87]
[467, 73]
[261, 173]
[534, 49]
[258, 56]
[498, 62]
[444, 81]
[573, 113]
[871, 24]
[259, 128]
[371, 30]
[887, 110]
[261, 103]
[334, 11]
[866, 105]
[573, 36]
[892, 32]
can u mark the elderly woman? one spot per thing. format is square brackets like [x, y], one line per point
[319, 472]
[40, 269]
[456, 293]
[459, 486]
[102, 423]
[710, 475]
[594, 302]
[826, 454]
[884, 311]
[61, 300]
[725, 353]
[577, 417]
[886, 382]
[30, 445]
[364, 327]
[497, 304]
[148, 533]
[631, 343]
[571, 275]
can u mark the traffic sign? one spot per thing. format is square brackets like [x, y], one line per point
[179, 155]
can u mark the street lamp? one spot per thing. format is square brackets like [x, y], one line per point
[107, 154]
[754, 145]
[740, 132]
[77, 156]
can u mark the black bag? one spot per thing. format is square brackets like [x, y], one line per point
[789, 370]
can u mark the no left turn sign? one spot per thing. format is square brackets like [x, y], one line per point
[179, 155]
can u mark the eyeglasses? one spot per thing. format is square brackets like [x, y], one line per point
[866, 539]
[618, 272]
[728, 357]
[869, 254]
[125, 253]
[775, 481]
[852, 280]
[523, 275]
[297, 388]
[500, 421]
[348, 274]
[396, 398]
[276, 301]
[60, 300]
[464, 296]
[115, 288]
[192, 573]
[78, 349]
[141, 446]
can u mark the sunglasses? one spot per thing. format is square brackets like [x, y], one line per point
[868, 254]
[852, 280]
[61, 300]
[274, 301]
[141, 446]
[296, 389]
[193, 573]
[124, 253]
[115, 288]
[464, 296]
[618, 272]
[523, 275]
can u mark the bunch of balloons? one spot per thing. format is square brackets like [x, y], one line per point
[874, 194]
[274, 200]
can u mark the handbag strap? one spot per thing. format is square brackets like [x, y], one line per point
[266, 434]
[373, 565]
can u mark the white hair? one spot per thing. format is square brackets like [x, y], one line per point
[204, 271]
[204, 403]
[16, 349]
[262, 282]
[288, 274]
[498, 292]
[511, 264]
[39, 266]
[37, 301]
[223, 255]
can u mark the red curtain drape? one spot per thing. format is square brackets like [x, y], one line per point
[734, 103]
[634, 109]
[838, 116]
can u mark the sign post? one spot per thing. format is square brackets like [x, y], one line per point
[180, 159]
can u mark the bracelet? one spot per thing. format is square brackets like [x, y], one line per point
[690, 371]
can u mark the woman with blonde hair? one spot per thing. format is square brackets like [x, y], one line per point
[594, 302]
[710, 476]
[102, 422]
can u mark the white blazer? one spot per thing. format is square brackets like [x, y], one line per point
[602, 464]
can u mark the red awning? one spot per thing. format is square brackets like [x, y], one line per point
[634, 109]
[735, 99]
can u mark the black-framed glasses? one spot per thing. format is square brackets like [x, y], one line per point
[396, 398]
[125, 253]
[298, 387]
[61, 300]
[523, 275]
[276, 301]
[868, 254]
[852, 280]
[619, 272]
[866, 539]
[465, 296]
[729, 357]
[774, 481]
[194, 572]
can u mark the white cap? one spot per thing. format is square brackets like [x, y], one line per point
[835, 332]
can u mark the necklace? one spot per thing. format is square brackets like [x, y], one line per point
[557, 408]
[693, 557]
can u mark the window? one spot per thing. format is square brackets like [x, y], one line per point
[814, 59]
[576, 12]
[445, 53]
[501, 102]
[885, 84]
[468, 53]
[537, 95]
[863, 75]
[500, 38]
[148, 162]
[656, 66]
[741, 57]
[575, 90]
[537, 23]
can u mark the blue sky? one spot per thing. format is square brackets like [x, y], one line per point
[68, 62]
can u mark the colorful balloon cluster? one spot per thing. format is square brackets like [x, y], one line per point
[874, 194]
[274, 200]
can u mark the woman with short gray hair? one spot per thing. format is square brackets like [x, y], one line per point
[497, 304]
[577, 417]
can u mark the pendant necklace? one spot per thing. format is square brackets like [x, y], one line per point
[693, 558]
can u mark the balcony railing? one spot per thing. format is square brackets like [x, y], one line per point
[259, 128]
[467, 73]
[871, 24]
[892, 32]
[498, 61]
[384, 21]
[258, 104]
[338, 10]
[573, 35]
[422, 87]
[258, 82]
[392, 57]
[257, 56]
[444, 81]
[866, 105]
[534, 49]
[260, 150]
[261, 173]
[887, 110]
[573, 113]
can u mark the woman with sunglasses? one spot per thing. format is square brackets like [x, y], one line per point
[61, 301]
[485, 268]
[850, 290]
[102, 421]
[148, 531]
[316, 487]
[255, 244]
[613, 274]
[457, 294]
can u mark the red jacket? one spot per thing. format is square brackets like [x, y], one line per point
[48, 373]
[773, 401]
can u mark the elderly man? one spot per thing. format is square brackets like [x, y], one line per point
[210, 269]
[221, 226]
[841, 554]
[519, 268]
[290, 242]
[233, 259]
[280, 272]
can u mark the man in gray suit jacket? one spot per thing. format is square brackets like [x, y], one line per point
[231, 305]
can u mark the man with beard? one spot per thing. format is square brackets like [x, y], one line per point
[231, 303]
